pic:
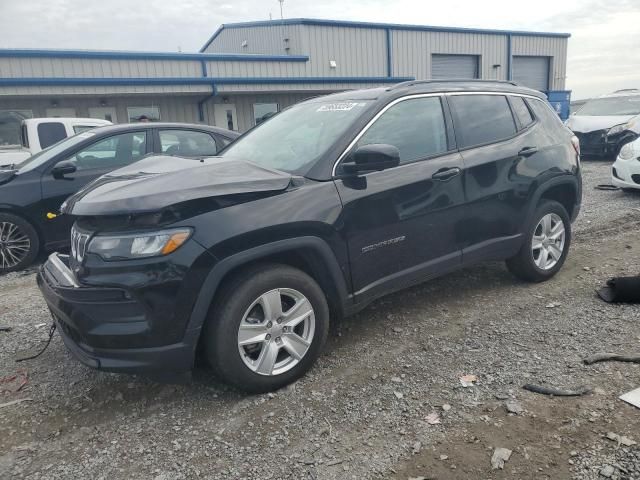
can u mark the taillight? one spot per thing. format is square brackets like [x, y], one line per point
[576, 144]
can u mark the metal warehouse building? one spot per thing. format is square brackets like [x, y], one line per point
[248, 70]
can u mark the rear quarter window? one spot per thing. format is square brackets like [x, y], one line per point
[50, 133]
[482, 119]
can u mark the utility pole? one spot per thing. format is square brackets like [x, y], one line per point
[281, 14]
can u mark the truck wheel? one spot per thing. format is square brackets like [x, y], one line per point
[266, 328]
[19, 243]
[546, 244]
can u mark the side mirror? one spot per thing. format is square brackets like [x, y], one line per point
[373, 158]
[63, 168]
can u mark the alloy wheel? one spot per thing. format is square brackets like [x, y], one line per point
[276, 331]
[548, 241]
[14, 245]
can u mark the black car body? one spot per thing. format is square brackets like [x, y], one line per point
[31, 192]
[356, 220]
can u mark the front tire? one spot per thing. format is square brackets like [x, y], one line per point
[267, 328]
[19, 243]
[546, 245]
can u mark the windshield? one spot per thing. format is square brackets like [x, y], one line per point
[293, 140]
[34, 161]
[611, 106]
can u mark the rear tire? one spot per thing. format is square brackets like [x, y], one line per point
[19, 243]
[280, 307]
[546, 244]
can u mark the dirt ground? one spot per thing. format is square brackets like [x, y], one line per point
[383, 401]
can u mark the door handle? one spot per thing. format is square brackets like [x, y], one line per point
[527, 151]
[446, 174]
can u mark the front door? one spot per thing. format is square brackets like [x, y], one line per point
[91, 161]
[104, 113]
[401, 224]
[225, 116]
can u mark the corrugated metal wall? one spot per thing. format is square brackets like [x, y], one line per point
[412, 51]
[554, 47]
[267, 39]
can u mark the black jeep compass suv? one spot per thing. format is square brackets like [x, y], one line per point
[311, 215]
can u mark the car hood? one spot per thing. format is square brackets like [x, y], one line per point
[158, 182]
[591, 123]
[6, 174]
[11, 156]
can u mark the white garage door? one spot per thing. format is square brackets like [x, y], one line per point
[532, 72]
[454, 66]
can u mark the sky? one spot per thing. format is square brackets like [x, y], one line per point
[604, 48]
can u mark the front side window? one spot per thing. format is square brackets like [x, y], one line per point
[187, 143]
[50, 133]
[482, 119]
[415, 127]
[521, 111]
[296, 138]
[143, 114]
[262, 111]
[112, 152]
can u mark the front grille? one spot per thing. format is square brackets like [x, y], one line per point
[636, 178]
[79, 241]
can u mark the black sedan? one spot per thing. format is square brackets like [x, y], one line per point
[31, 192]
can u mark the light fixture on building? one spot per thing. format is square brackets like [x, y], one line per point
[54, 103]
[103, 102]
[333, 64]
[244, 44]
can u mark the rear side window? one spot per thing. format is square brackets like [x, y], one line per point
[521, 111]
[188, 143]
[546, 114]
[82, 128]
[50, 133]
[482, 119]
[415, 127]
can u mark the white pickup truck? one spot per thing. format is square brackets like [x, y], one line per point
[36, 134]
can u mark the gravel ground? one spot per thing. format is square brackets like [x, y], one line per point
[384, 401]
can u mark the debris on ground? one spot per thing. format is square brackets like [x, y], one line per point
[515, 407]
[605, 186]
[499, 457]
[621, 439]
[433, 418]
[4, 328]
[556, 392]
[615, 357]
[632, 397]
[14, 383]
[552, 305]
[468, 380]
[621, 290]
[13, 402]
[607, 471]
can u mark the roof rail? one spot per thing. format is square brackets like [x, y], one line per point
[453, 80]
[627, 90]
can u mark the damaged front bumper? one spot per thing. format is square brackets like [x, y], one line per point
[86, 315]
[600, 144]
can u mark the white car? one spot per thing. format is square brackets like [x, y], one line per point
[625, 172]
[33, 135]
[604, 124]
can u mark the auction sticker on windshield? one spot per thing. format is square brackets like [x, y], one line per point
[337, 107]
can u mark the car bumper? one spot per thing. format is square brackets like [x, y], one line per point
[85, 314]
[599, 144]
[626, 174]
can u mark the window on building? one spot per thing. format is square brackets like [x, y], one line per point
[482, 119]
[415, 127]
[10, 125]
[188, 143]
[522, 111]
[262, 111]
[112, 152]
[50, 133]
[143, 114]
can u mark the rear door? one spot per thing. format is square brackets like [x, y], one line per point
[401, 223]
[498, 141]
[99, 157]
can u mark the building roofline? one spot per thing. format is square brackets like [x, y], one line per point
[384, 26]
[99, 81]
[132, 55]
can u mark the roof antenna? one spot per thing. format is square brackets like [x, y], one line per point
[281, 14]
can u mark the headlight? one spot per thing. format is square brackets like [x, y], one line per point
[138, 245]
[628, 151]
[616, 129]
